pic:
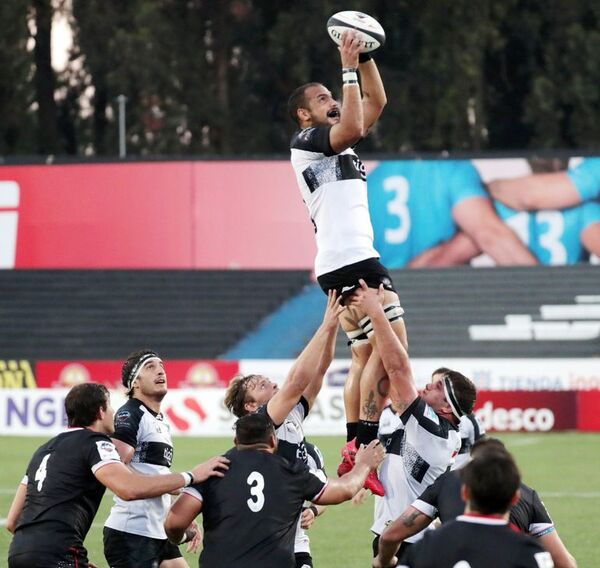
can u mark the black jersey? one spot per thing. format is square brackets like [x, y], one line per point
[250, 515]
[477, 542]
[442, 499]
[63, 494]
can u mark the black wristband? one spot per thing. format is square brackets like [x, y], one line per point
[364, 57]
[314, 510]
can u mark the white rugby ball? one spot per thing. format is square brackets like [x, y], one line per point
[370, 32]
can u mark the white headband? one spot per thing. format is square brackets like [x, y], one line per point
[451, 398]
[133, 375]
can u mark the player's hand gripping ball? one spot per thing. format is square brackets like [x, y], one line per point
[370, 32]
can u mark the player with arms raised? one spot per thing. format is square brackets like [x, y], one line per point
[332, 181]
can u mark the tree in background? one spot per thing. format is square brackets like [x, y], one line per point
[212, 78]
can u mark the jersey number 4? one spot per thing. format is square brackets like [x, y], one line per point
[256, 481]
[41, 472]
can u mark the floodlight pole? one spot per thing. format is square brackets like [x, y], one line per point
[122, 101]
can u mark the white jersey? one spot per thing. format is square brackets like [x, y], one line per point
[470, 430]
[419, 446]
[315, 462]
[334, 189]
[138, 426]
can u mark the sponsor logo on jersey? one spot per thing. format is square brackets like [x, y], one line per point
[107, 451]
[122, 417]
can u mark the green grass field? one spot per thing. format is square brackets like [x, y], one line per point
[564, 468]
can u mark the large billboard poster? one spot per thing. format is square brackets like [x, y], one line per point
[249, 214]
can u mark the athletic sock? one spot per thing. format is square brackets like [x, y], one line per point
[366, 432]
[351, 428]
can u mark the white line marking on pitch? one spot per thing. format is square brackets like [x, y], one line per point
[580, 494]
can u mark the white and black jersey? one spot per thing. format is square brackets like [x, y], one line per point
[315, 463]
[470, 430]
[250, 515]
[144, 430]
[63, 495]
[334, 190]
[442, 499]
[290, 434]
[477, 542]
[419, 446]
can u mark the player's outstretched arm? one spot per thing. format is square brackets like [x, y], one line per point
[330, 322]
[561, 557]
[477, 218]
[180, 516]
[409, 523]
[373, 93]
[130, 486]
[16, 507]
[310, 366]
[344, 488]
[393, 354]
[350, 129]
[537, 191]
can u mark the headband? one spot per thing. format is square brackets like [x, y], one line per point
[451, 398]
[135, 370]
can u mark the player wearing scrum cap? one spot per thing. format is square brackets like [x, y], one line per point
[134, 535]
[419, 430]
[332, 182]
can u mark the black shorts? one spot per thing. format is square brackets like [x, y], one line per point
[126, 550]
[400, 555]
[345, 280]
[303, 560]
[74, 558]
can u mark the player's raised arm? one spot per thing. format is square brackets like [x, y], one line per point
[310, 366]
[350, 129]
[393, 354]
[373, 91]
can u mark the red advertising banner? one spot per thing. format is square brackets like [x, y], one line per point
[180, 373]
[217, 215]
[588, 415]
[527, 411]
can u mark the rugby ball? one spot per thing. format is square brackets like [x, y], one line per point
[370, 32]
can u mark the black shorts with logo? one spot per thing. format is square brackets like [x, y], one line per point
[126, 550]
[345, 280]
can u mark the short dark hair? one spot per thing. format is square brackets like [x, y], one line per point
[464, 390]
[83, 403]
[255, 428]
[492, 478]
[235, 395]
[487, 444]
[129, 367]
[298, 100]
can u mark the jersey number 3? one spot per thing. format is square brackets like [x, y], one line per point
[256, 481]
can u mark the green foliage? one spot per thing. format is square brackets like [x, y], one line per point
[214, 77]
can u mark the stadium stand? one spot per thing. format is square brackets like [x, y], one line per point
[104, 314]
[443, 306]
[465, 312]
